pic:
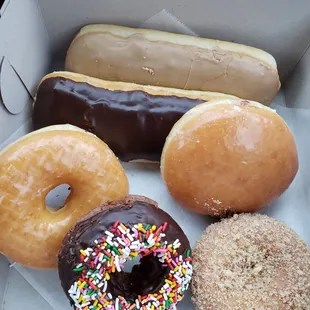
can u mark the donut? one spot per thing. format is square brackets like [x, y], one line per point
[34, 165]
[250, 261]
[144, 114]
[161, 58]
[228, 156]
[94, 252]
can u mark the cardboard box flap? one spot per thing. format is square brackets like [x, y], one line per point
[25, 57]
[13, 93]
[24, 41]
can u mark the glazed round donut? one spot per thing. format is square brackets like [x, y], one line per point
[251, 261]
[93, 254]
[31, 234]
[229, 156]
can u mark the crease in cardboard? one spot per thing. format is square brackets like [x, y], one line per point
[42, 19]
[296, 66]
[21, 80]
[297, 89]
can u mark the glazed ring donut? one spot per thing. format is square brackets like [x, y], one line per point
[94, 252]
[31, 234]
[251, 261]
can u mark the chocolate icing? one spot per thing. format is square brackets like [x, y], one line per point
[134, 124]
[149, 275]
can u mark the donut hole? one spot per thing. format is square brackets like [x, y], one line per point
[57, 197]
[138, 277]
[129, 265]
[148, 276]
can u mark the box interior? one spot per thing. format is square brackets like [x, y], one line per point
[4, 271]
[34, 36]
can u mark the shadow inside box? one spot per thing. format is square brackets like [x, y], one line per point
[291, 208]
[273, 209]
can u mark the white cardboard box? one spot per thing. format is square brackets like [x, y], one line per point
[34, 36]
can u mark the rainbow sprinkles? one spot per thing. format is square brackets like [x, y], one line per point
[109, 255]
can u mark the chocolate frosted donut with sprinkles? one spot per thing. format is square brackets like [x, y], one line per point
[94, 253]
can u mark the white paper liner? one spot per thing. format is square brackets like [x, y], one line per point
[165, 21]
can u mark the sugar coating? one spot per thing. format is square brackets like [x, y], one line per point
[251, 261]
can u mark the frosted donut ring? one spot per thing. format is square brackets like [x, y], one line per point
[35, 164]
[94, 253]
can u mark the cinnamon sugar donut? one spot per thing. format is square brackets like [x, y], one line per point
[34, 165]
[251, 261]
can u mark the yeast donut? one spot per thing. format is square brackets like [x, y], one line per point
[31, 234]
[134, 120]
[251, 261]
[160, 58]
[229, 156]
[94, 252]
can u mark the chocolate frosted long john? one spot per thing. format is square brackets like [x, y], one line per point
[133, 121]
